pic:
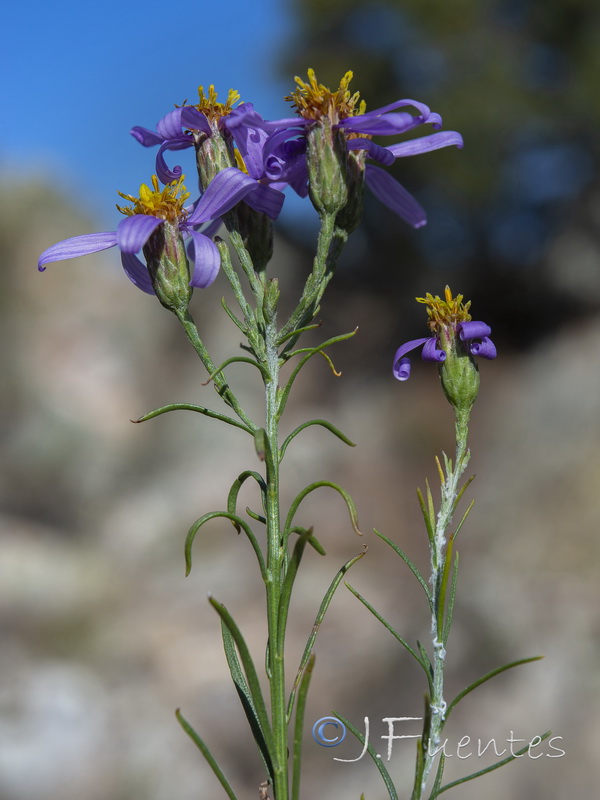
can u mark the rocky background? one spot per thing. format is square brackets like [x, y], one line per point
[103, 637]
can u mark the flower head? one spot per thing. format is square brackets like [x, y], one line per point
[344, 112]
[314, 101]
[455, 339]
[159, 223]
[224, 135]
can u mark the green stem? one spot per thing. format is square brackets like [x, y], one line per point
[275, 569]
[329, 246]
[219, 381]
[440, 553]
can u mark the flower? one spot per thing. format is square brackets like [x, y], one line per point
[213, 127]
[162, 207]
[317, 105]
[454, 333]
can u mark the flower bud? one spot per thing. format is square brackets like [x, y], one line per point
[326, 161]
[459, 373]
[256, 230]
[168, 267]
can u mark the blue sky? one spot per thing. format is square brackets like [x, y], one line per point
[76, 77]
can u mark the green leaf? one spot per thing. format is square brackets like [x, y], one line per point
[237, 485]
[237, 522]
[238, 360]
[464, 517]
[317, 624]
[299, 727]
[415, 571]
[245, 697]
[487, 677]
[461, 492]
[288, 584]
[317, 485]
[297, 332]
[324, 423]
[481, 772]
[429, 523]
[389, 784]
[310, 352]
[394, 633]
[450, 610]
[438, 777]
[208, 412]
[251, 676]
[210, 760]
[441, 606]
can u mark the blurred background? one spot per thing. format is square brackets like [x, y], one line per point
[102, 637]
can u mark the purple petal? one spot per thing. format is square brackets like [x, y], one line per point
[473, 330]
[169, 127]
[207, 260]
[137, 272]
[145, 136]
[431, 351]
[288, 122]
[243, 116]
[401, 369]
[77, 246]
[394, 196]
[425, 144]
[195, 120]
[164, 172]
[266, 199]
[250, 142]
[484, 348]
[381, 154]
[133, 232]
[225, 190]
[407, 347]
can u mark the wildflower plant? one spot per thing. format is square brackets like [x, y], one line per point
[244, 165]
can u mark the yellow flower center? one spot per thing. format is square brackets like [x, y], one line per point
[214, 110]
[312, 100]
[166, 203]
[449, 311]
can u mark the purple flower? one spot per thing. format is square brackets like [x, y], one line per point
[152, 209]
[314, 102]
[188, 126]
[452, 329]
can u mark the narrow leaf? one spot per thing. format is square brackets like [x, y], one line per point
[208, 412]
[450, 611]
[428, 521]
[497, 765]
[237, 485]
[249, 671]
[487, 677]
[210, 760]
[299, 727]
[412, 567]
[323, 423]
[237, 522]
[317, 624]
[389, 784]
[387, 625]
[317, 485]
[464, 516]
[245, 697]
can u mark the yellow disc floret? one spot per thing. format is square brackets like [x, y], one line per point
[312, 100]
[166, 203]
[214, 110]
[449, 311]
